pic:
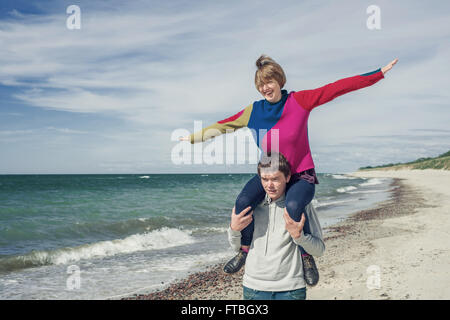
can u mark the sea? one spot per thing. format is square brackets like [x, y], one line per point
[116, 235]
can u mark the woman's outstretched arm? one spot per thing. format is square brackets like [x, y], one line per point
[237, 121]
[309, 99]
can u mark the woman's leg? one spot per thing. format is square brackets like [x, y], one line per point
[251, 195]
[298, 195]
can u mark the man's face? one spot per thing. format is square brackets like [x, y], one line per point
[274, 183]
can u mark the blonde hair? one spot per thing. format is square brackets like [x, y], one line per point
[268, 70]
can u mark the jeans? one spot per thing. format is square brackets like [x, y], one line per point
[298, 194]
[251, 294]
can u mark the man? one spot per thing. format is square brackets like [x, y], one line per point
[274, 266]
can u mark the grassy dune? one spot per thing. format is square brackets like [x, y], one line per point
[440, 162]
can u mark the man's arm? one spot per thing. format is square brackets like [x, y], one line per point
[312, 243]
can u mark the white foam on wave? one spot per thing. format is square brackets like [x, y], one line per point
[112, 278]
[204, 230]
[144, 177]
[341, 177]
[367, 191]
[157, 239]
[176, 265]
[318, 204]
[346, 189]
[372, 182]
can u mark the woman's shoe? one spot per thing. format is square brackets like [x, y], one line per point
[235, 264]
[310, 272]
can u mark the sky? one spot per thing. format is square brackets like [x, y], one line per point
[111, 96]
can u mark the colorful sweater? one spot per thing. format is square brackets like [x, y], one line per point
[286, 120]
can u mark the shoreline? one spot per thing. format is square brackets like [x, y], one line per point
[372, 240]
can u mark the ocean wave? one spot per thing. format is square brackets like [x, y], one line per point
[157, 239]
[144, 177]
[346, 189]
[112, 229]
[372, 182]
[207, 230]
[367, 191]
[330, 203]
[341, 177]
[178, 265]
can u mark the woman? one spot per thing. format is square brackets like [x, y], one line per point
[279, 123]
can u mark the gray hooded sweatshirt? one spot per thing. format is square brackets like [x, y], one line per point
[274, 262]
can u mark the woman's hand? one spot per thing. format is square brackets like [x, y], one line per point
[389, 66]
[240, 221]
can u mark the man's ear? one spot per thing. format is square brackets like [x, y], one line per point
[288, 178]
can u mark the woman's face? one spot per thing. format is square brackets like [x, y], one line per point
[271, 91]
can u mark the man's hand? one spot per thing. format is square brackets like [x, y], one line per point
[293, 227]
[240, 221]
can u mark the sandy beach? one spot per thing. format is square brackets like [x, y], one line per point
[397, 250]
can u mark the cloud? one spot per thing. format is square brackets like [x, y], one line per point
[159, 66]
[15, 132]
[16, 14]
[67, 130]
[133, 62]
[348, 155]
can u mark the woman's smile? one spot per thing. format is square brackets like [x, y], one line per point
[271, 91]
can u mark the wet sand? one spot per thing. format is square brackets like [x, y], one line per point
[397, 250]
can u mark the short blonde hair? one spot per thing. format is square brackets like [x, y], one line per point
[268, 70]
